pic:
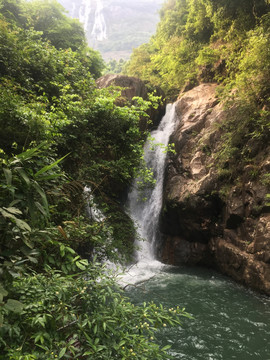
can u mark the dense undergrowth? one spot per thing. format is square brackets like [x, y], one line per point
[58, 134]
[220, 41]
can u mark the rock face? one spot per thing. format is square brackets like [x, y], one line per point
[133, 87]
[200, 225]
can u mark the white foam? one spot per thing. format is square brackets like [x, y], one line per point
[146, 213]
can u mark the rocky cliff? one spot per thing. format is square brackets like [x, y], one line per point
[204, 220]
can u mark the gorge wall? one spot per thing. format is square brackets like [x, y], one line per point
[203, 220]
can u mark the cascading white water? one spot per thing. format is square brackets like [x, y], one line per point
[146, 213]
[84, 13]
[92, 210]
[99, 31]
[91, 15]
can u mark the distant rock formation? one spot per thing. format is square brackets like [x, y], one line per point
[115, 27]
[199, 225]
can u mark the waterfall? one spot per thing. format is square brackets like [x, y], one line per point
[99, 31]
[92, 210]
[84, 13]
[91, 14]
[146, 213]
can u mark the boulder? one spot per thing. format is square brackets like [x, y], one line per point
[132, 87]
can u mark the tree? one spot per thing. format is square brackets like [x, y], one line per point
[49, 17]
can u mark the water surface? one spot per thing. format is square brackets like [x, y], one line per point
[230, 322]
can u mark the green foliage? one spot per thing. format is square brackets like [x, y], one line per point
[49, 17]
[53, 302]
[25, 181]
[72, 311]
[49, 95]
[12, 11]
[193, 35]
[69, 308]
[223, 41]
[84, 316]
[247, 127]
[207, 56]
[39, 66]
[105, 142]
[115, 67]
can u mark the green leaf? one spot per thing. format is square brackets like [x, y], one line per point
[62, 352]
[14, 305]
[43, 197]
[49, 177]
[32, 259]
[70, 250]
[84, 262]
[88, 338]
[49, 167]
[6, 214]
[8, 176]
[24, 176]
[40, 208]
[15, 202]
[88, 353]
[28, 154]
[13, 210]
[80, 266]
[3, 293]
[167, 347]
[22, 224]
[39, 338]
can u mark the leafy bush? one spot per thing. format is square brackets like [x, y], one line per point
[82, 316]
[196, 32]
[247, 126]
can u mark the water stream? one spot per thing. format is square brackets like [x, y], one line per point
[99, 31]
[230, 322]
[145, 213]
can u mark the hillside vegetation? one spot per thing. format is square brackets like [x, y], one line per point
[59, 133]
[220, 41]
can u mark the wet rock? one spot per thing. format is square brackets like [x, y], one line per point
[180, 251]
